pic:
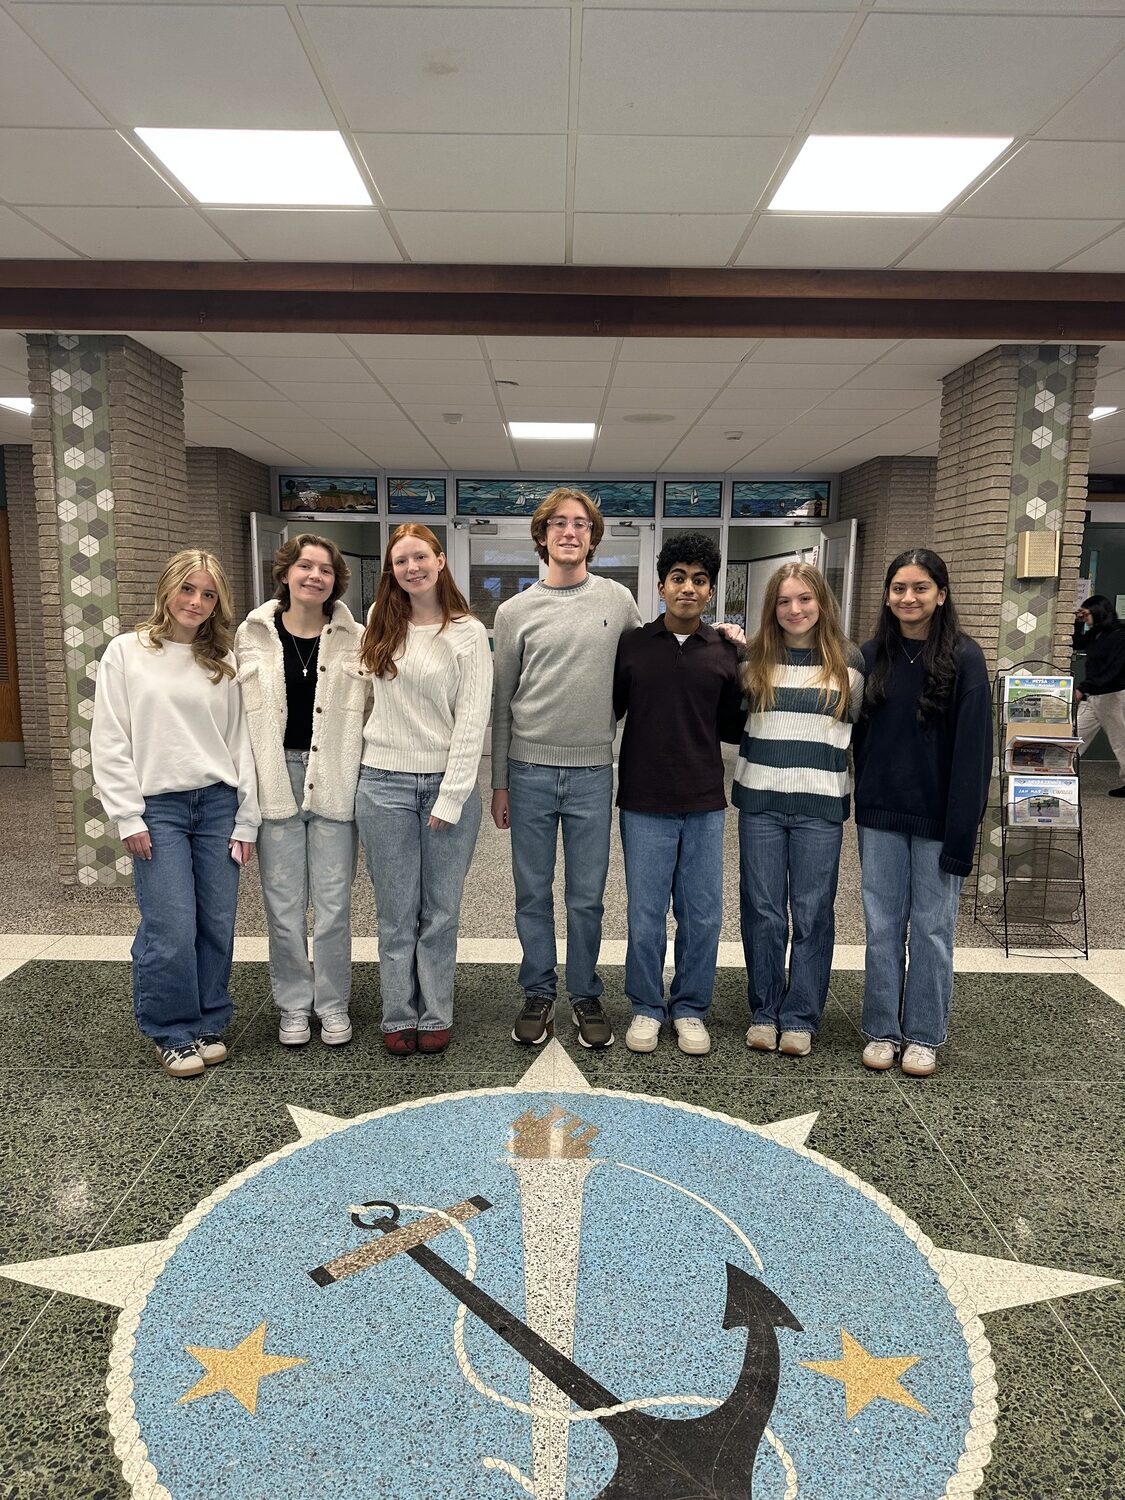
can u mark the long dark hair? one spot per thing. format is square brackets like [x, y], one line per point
[938, 659]
[1101, 611]
[385, 635]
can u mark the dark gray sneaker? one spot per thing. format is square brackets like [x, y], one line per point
[593, 1025]
[535, 1022]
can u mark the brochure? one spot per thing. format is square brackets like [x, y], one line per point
[1040, 755]
[1038, 700]
[1043, 801]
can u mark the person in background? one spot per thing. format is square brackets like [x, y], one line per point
[305, 693]
[1101, 693]
[922, 768]
[553, 729]
[174, 769]
[676, 683]
[803, 681]
[418, 806]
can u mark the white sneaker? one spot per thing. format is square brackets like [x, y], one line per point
[692, 1036]
[293, 1029]
[879, 1056]
[762, 1037]
[919, 1061]
[335, 1028]
[795, 1043]
[643, 1034]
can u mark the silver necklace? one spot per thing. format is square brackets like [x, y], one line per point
[305, 665]
[906, 653]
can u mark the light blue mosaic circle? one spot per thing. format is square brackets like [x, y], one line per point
[381, 1404]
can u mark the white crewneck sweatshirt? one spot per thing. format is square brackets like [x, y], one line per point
[161, 725]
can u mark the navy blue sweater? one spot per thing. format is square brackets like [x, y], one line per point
[929, 779]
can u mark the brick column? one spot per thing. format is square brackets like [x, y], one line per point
[1012, 457]
[111, 494]
[892, 499]
[226, 486]
[23, 530]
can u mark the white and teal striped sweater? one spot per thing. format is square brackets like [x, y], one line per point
[794, 759]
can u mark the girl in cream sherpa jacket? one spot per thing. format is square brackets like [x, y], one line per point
[343, 693]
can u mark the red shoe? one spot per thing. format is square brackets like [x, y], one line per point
[434, 1041]
[399, 1043]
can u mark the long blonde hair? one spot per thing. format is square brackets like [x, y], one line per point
[766, 651]
[385, 633]
[213, 639]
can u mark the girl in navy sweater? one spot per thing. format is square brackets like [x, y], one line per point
[923, 757]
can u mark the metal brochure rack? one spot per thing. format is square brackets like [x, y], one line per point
[1037, 891]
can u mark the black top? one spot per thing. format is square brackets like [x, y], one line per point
[1105, 660]
[681, 701]
[930, 779]
[300, 656]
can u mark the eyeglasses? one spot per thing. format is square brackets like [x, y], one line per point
[564, 523]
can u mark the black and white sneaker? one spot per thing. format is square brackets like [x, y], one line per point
[181, 1062]
[593, 1025]
[535, 1022]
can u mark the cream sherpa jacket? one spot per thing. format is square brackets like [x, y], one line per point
[343, 694]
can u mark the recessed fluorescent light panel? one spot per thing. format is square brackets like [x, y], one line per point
[561, 432]
[884, 174]
[1095, 416]
[17, 403]
[282, 168]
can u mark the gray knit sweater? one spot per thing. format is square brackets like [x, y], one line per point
[553, 664]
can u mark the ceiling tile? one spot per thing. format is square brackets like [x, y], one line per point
[964, 244]
[779, 377]
[572, 372]
[702, 72]
[451, 397]
[656, 239]
[884, 376]
[491, 239]
[502, 346]
[222, 66]
[326, 391]
[962, 74]
[214, 367]
[413, 345]
[279, 345]
[13, 350]
[521, 173]
[947, 354]
[458, 68]
[669, 174]
[821, 351]
[342, 371]
[891, 399]
[749, 399]
[21, 240]
[451, 373]
[1073, 179]
[1109, 255]
[328, 234]
[32, 90]
[135, 233]
[472, 415]
[829, 240]
[212, 391]
[718, 351]
[654, 375]
[174, 344]
[1094, 114]
[92, 167]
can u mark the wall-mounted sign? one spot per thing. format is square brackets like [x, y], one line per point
[781, 499]
[343, 492]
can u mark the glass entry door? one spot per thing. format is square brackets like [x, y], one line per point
[267, 533]
[837, 563]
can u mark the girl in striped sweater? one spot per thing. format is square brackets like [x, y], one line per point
[803, 681]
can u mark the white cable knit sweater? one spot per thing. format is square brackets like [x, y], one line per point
[342, 695]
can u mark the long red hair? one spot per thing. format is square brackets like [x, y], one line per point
[385, 635]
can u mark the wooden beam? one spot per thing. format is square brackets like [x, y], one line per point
[226, 296]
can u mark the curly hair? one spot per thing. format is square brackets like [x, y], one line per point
[688, 547]
[213, 640]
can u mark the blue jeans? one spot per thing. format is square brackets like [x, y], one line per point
[903, 888]
[418, 874]
[305, 858]
[673, 858]
[187, 893]
[788, 867]
[581, 799]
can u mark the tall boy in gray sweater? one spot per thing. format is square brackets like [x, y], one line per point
[552, 758]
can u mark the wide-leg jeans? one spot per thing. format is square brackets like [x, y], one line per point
[905, 890]
[580, 800]
[418, 874]
[788, 868]
[307, 858]
[187, 894]
[673, 859]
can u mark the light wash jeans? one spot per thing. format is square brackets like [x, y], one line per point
[673, 858]
[187, 893]
[903, 887]
[580, 798]
[418, 874]
[306, 858]
[788, 866]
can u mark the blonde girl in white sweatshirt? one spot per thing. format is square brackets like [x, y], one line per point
[418, 807]
[305, 695]
[174, 769]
